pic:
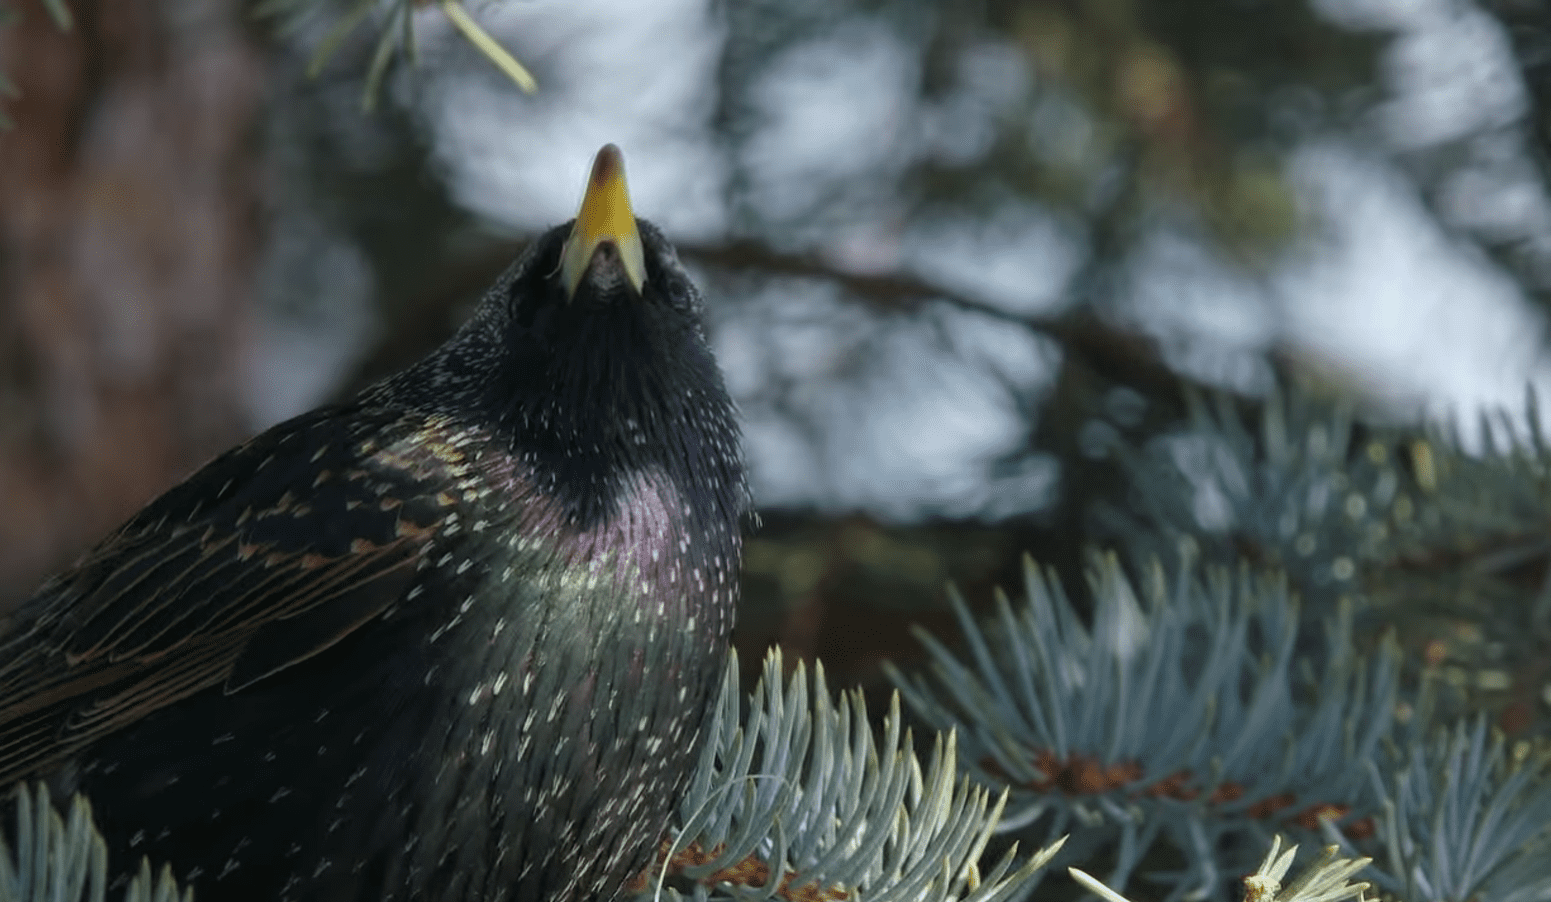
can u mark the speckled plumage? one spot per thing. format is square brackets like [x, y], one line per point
[453, 639]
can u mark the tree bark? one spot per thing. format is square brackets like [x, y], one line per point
[128, 193]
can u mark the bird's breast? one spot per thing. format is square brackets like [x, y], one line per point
[571, 668]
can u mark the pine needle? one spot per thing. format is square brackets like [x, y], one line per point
[489, 46]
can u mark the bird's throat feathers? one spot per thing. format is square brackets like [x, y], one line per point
[589, 400]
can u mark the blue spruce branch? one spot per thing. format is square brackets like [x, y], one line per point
[1465, 816]
[801, 802]
[54, 858]
[1184, 712]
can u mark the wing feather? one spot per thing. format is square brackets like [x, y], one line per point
[272, 553]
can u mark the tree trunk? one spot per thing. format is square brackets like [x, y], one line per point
[128, 191]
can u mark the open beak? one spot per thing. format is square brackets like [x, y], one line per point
[604, 245]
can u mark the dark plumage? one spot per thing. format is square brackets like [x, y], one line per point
[453, 639]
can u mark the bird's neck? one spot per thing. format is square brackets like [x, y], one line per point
[591, 425]
[628, 399]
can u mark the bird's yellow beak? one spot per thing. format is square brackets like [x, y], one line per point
[604, 223]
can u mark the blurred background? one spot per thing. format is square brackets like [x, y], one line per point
[953, 251]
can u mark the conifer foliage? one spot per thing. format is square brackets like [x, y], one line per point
[1257, 686]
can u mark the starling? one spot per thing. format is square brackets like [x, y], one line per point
[453, 639]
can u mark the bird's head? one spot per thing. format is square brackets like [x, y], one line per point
[601, 296]
[592, 352]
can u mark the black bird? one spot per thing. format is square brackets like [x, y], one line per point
[453, 639]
